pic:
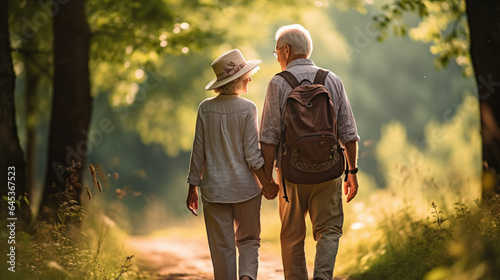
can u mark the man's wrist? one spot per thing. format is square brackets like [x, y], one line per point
[352, 171]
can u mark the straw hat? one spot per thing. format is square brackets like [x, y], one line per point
[229, 67]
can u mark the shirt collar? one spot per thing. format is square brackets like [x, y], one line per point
[300, 61]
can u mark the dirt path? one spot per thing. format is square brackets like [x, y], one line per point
[189, 259]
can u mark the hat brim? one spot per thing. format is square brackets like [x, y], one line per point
[251, 64]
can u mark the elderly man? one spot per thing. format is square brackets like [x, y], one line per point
[323, 201]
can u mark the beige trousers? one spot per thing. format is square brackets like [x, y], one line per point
[231, 225]
[324, 203]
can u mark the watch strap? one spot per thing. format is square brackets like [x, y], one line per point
[353, 171]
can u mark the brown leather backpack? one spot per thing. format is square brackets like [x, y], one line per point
[310, 150]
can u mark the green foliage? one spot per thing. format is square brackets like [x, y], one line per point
[132, 36]
[54, 251]
[443, 24]
[448, 157]
[413, 247]
[395, 80]
[475, 246]
[155, 79]
[69, 248]
[462, 246]
[437, 214]
[31, 35]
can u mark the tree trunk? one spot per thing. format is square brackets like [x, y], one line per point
[32, 78]
[12, 163]
[71, 105]
[484, 24]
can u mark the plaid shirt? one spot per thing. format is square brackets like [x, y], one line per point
[278, 90]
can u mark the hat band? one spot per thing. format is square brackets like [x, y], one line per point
[230, 69]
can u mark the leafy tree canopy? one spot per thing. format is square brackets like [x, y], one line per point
[443, 24]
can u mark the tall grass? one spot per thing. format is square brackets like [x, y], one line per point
[82, 243]
[458, 245]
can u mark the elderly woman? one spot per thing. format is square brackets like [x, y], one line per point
[226, 163]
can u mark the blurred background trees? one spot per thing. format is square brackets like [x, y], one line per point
[12, 160]
[148, 63]
[467, 32]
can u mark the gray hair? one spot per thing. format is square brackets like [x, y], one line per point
[235, 85]
[297, 37]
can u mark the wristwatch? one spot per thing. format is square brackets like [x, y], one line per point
[348, 171]
[353, 171]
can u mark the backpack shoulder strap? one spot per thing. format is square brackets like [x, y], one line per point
[321, 76]
[290, 78]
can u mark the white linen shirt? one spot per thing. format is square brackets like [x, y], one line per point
[225, 149]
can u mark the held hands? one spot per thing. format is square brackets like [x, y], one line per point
[269, 186]
[351, 186]
[192, 200]
[270, 190]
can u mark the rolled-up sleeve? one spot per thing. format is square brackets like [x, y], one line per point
[198, 159]
[253, 155]
[270, 128]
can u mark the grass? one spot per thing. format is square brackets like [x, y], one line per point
[391, 236]
[82, 243]
[464, 245]
[57, 251]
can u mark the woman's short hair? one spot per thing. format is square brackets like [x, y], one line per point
[297, 37]
[235, 85]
